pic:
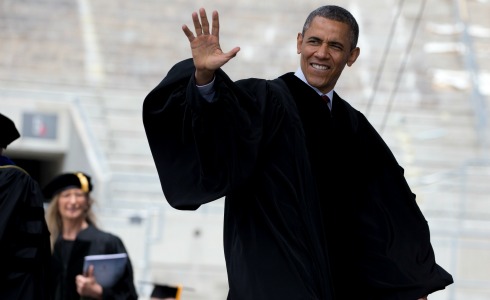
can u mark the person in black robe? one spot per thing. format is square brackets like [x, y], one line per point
[24, 237]
[316, 205]
[75, 235]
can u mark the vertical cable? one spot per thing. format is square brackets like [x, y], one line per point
[379, 72]
[403, 64]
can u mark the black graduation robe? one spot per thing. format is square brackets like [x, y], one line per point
[316, 205]
[24, 237]
[90, 241]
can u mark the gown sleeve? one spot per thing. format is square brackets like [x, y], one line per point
[201, 150]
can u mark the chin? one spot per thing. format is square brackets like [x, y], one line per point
[315, 81]
[318, 86]
[74, 216]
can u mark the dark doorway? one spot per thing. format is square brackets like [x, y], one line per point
[42, 170]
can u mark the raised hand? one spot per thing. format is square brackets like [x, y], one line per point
[206, 50]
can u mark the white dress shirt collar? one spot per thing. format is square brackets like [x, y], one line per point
[300, 75]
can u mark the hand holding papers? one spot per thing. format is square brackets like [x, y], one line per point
[108, 268]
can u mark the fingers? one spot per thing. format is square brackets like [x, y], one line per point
[88, 286]
[79, 282]
[201, 24]
[204, 22]
[188, 33]
[232, 53]
[215, 29]
[197, 23]
[90, 271]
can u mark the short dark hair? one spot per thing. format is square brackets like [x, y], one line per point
[336, 13]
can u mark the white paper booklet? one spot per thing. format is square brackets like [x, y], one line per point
[108, 268]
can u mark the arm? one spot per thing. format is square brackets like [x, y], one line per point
[201, 148]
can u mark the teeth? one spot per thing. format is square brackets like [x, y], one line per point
[319, 67]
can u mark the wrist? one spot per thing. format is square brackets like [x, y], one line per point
[203, 77]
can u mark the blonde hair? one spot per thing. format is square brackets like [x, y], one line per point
[53, 217]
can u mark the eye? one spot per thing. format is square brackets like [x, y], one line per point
[314, 42]
[336, 46]
[64, 194]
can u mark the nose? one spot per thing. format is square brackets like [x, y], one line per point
[72, 198]
[322, 51]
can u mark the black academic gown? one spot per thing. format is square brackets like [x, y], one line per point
[378, 239]
[24, 237]
[290, 172]
[90, 241]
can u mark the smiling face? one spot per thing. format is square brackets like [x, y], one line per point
[72, 204]
[325, 49]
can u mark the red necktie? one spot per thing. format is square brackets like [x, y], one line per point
[326, 99]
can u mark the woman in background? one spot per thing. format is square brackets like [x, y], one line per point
[74, 235]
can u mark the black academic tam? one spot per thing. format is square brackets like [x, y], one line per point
[9, 132]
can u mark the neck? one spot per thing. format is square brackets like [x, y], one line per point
[71, 228]
[299, 73]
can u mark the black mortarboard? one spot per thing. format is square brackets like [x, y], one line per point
[67, 180]
[8, 131]
[161, 291]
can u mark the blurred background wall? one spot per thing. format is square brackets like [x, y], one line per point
[74, 74]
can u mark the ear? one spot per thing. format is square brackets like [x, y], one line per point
[354, 54]
[299, 41]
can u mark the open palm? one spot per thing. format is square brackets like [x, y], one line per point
[206, 50]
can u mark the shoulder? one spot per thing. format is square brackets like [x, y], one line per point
[275, 88]
[356, 117]
[345, 105]
[96, 241]
[100, 239]
[374, 144]
[13, 177]
[92, 232]
[13, 172]
[19, 182]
